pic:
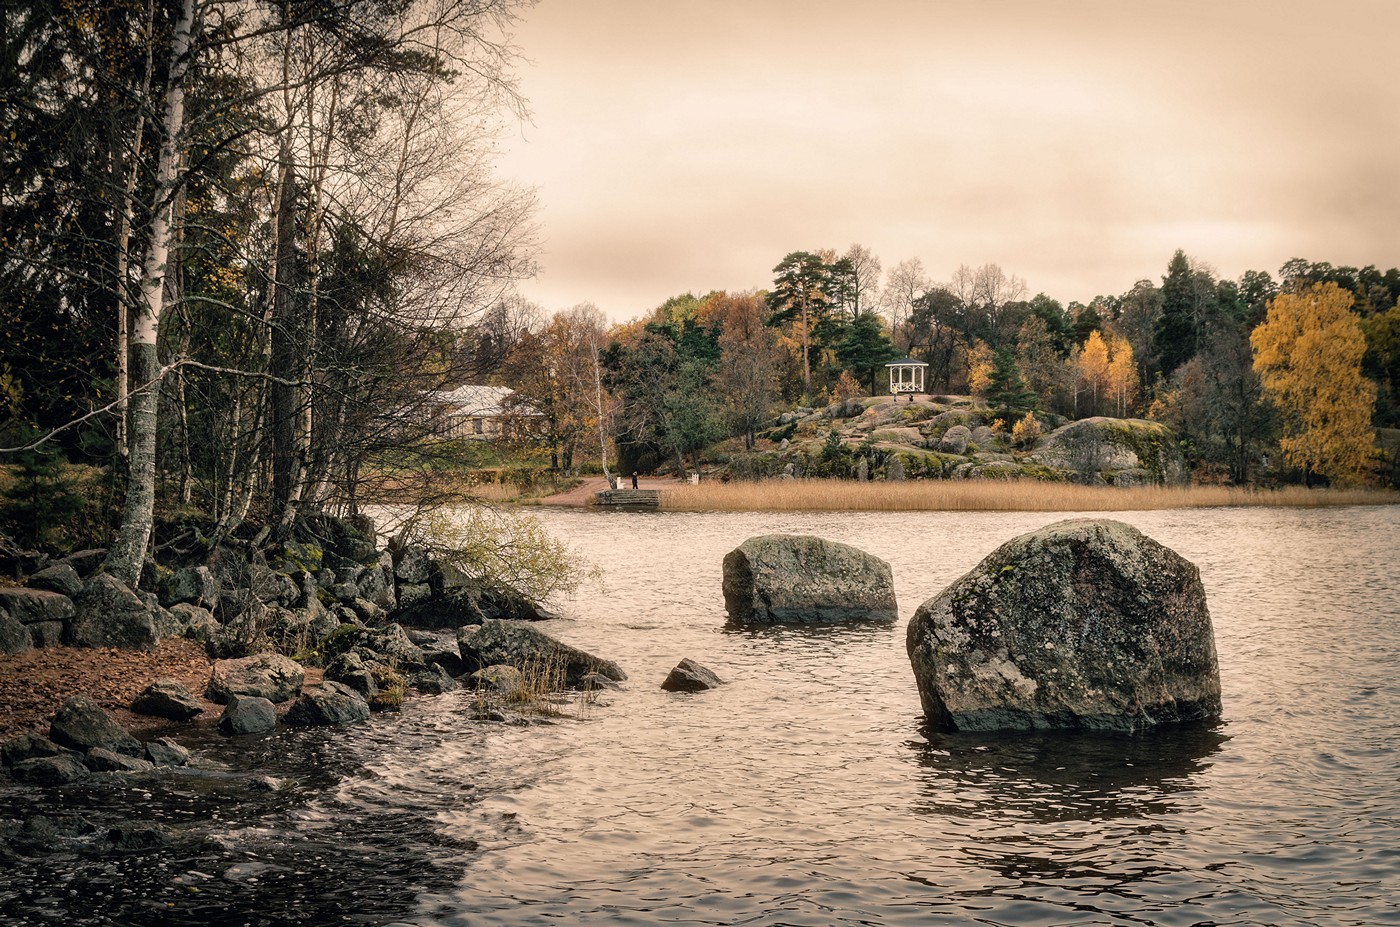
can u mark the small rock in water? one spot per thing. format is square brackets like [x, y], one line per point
[100, 759]
[166, 752]
[82, 724]
[247, 715]
[689, 676]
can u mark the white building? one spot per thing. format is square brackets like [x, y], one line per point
[475, 413]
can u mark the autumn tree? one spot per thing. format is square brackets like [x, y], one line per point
[1308, 355]
[800, 295]
[1091, 367]
[748, 357]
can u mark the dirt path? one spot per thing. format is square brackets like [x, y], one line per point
[583, 493]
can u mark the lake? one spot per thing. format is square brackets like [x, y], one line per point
[806, 790]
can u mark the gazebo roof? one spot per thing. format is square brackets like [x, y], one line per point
[907, 362]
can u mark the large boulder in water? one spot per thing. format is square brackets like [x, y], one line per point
[1083, 624]
[800, 579]
[533, 652]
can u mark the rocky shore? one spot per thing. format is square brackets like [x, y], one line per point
[322, 628]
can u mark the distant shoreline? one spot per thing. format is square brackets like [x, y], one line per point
[827, 495]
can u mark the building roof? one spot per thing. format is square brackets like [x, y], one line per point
[475, 401]
[907, 362]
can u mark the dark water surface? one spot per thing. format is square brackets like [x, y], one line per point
[806, 791]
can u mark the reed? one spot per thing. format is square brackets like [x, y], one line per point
[990, 496]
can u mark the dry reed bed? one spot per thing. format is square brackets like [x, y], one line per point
[989, 496]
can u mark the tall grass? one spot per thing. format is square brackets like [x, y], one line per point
[991, 496]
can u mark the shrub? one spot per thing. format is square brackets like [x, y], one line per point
[1025, 431]
[503, 550]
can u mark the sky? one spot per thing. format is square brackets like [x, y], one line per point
[688, 146]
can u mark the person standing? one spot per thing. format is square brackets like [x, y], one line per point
[634, 479]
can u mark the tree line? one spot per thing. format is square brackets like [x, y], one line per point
[1258, 376]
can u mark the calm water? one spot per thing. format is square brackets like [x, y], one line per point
[806, 790]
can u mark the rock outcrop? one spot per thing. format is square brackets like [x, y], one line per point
[532, 651]
[1098, 448]
[109, 614]
[800, 579]
[1082, 624]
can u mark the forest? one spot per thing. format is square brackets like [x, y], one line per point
[245, 247]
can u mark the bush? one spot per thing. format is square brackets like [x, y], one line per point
[503, 550]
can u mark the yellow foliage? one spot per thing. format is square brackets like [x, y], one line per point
[846, 387]
[1307, 353]
[1026, 430]
[980, 363]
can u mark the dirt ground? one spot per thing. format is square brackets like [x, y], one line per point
[34, 684]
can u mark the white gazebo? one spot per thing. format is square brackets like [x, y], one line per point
[906, 376]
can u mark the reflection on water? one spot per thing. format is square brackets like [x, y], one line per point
[1063, 776]
[806, 789]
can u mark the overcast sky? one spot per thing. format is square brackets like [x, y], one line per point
[688, 146]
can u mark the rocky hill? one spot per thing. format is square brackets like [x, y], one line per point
[956, 437]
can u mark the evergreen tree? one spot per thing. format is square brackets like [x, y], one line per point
[1006, 391]
[866, 348]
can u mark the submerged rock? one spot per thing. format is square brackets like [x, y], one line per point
[50, 770]
[100, 759]
[166, 752]
[1082, 624]
[689, 676]
[801, 579]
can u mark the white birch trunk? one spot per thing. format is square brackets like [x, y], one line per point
[128, 552]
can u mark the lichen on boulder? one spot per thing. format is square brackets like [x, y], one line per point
[1082, 624]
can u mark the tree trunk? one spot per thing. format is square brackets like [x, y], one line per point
[286, 398]
[128, 552]
[123, 256]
